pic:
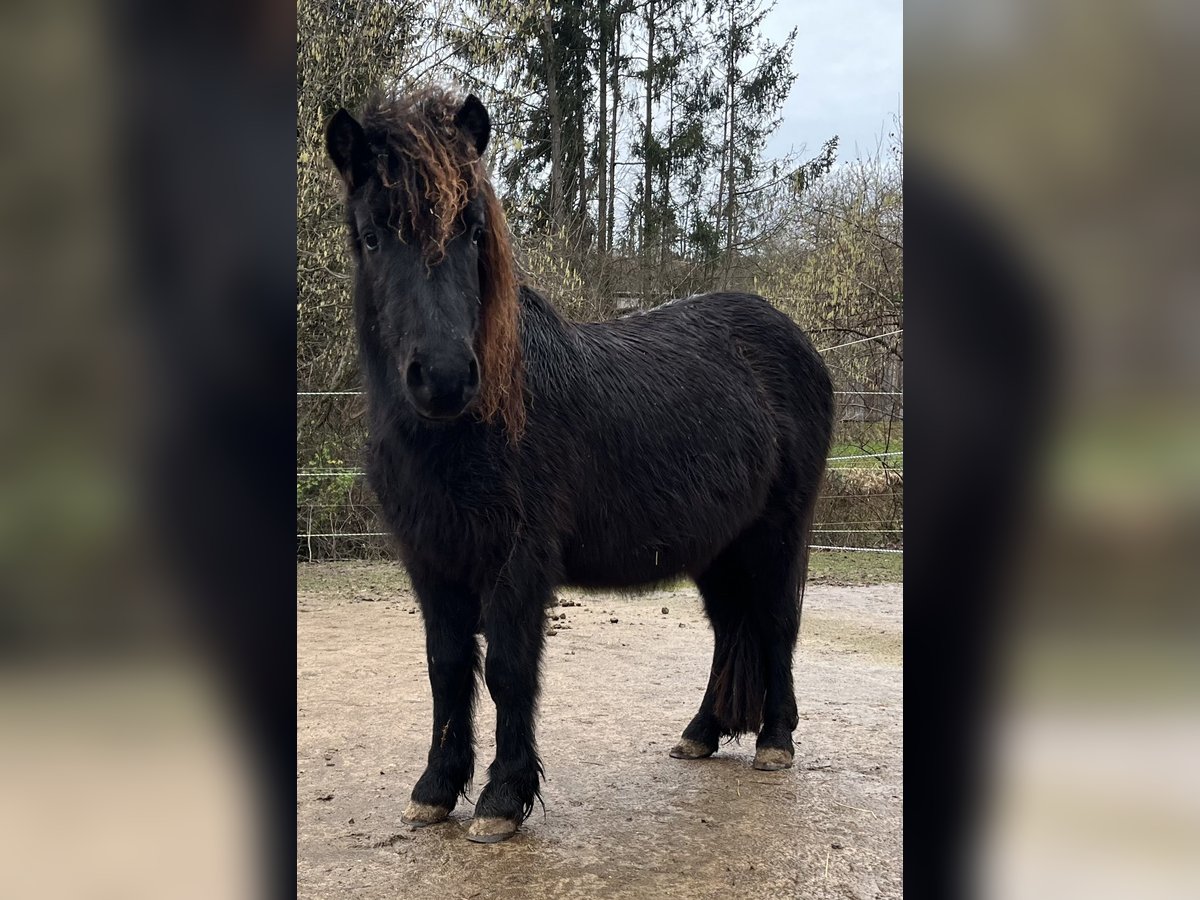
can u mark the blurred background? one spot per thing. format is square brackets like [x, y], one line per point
[147, 257]
[148, 522]
[1062, 663]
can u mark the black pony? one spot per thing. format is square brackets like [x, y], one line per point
[513, 451]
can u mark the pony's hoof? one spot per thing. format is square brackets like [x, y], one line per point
[772, 759]
[491, 830]
[689, 749]
[418, 815]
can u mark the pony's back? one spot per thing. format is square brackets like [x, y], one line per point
[670, 431]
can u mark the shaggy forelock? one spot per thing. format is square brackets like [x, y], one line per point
[426, 165]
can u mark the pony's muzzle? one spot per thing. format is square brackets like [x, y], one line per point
[442, 386]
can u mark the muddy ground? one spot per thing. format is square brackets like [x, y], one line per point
[622, 819]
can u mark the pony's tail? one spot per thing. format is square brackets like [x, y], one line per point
[739, 690]
[808, 515]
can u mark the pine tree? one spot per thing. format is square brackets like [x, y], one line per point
[756, 78]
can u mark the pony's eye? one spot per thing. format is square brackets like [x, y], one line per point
[476, 235]
[371, 241]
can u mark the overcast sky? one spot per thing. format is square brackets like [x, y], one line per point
[848, 61]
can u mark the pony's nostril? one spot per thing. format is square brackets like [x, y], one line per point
[414, 377]
[473, 374]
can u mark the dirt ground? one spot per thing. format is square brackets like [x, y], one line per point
[622, 819]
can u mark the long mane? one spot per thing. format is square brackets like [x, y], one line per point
[430, 171]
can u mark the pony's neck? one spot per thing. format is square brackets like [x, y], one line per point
[533, 304]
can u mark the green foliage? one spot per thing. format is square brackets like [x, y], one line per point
[326, 477]
[345, 50]
[836, 264]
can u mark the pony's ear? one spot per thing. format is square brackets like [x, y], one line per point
[346, 143]
[475, 123]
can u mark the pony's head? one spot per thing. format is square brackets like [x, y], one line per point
[434, 266]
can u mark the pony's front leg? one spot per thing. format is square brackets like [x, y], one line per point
[451, 615]
[514, 625]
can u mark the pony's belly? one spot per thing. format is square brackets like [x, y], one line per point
[624, 534]
[603, 568]
[615, 557]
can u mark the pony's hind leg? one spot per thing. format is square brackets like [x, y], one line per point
[779, 631]
[751, 596]
[718, 587]
[782, 566]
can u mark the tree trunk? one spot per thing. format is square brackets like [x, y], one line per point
[647, 186]
[731, 180]
[555, 110]
[663, 237]
[602, 141]
[612, 146]
[720, 204]
[581, 136]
